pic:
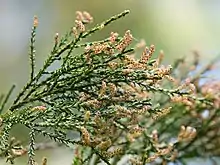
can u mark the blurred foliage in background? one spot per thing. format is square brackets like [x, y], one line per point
[176, 26]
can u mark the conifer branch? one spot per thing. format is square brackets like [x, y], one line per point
[116, 105]
[32, 48]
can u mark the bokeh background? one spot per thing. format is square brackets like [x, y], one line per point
[178, 27]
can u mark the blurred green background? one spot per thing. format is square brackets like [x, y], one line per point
[175, 26]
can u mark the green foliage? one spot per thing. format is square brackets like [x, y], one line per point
[119, 108]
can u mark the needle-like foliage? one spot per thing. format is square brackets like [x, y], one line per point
[120, 108]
